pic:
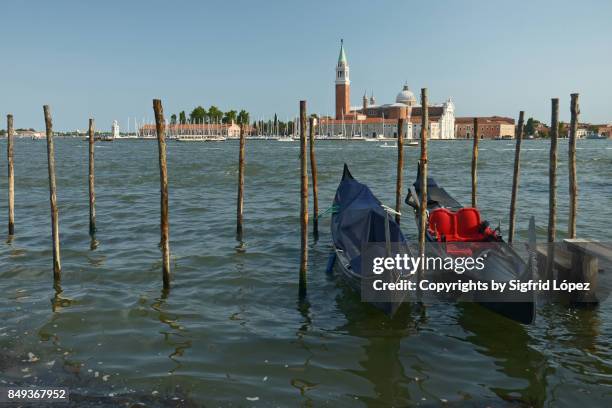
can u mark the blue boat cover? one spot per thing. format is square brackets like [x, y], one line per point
[359, 218]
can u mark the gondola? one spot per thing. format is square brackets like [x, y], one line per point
[454, 230]
[359, 218]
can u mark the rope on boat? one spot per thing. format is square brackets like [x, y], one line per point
[334, 209]
[390, 210]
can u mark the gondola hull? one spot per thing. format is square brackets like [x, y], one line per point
[354, 281]
[359, 219]
[502, 263]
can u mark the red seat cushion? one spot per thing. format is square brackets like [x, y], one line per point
[468, 224]
[460, 226]
[442, 222]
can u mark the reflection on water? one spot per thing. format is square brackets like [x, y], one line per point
[232, 331]
[380, 362]
[303, 307]
[503, 340]
[58, 302]
[176, 337]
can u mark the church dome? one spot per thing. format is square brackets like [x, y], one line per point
[406, 96]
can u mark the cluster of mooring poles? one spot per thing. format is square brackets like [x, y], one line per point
[580, 259]
[57, 265]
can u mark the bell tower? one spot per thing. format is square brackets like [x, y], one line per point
[343, 85]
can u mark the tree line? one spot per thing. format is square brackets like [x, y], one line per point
[537, 128]
[276, 127]
[540, 129]
[213, 115]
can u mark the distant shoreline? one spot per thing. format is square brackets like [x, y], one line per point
[276, 139]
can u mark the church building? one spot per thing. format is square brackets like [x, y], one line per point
[380, 120]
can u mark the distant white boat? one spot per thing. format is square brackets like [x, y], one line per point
[199, 138]
[285, 139]
[595, 136]
[104, 138]
[413, 143]
[388, 145]
[100, 138]
[380, 137]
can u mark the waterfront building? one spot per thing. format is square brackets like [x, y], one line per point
[380, 120]
[605, 131]
[581, 132]
[489, 127]
[361, 127]
[34, 134]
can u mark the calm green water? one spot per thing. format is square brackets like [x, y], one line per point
[231, 331]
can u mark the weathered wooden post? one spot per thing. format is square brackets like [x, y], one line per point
[11, 175]
[573, 182]
[423, 164]
[313, 172]
[57, 265]
[516, 175]
[303, 201]
[552, 186]
[475, 163]
[240, 200]
[400, 169]
[92, 192]
[160, 126]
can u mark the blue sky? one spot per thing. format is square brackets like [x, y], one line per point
[110, 59]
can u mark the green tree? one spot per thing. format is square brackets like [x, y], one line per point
[530, 127]
[563, 129]
[230, 116]
[173, 119]
[215, 114]
[243, 117]
[182, 118]
[198, 115]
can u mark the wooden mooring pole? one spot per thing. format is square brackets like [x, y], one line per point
[240, 199]
[423, 164]
[552, 186]
[303, 202]
[516, 175]
[313, 173]
[400, 169]
[57, 265]
[475, 163]
[92, 192]
[160, 126]
[573, 182]
[11, 175]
